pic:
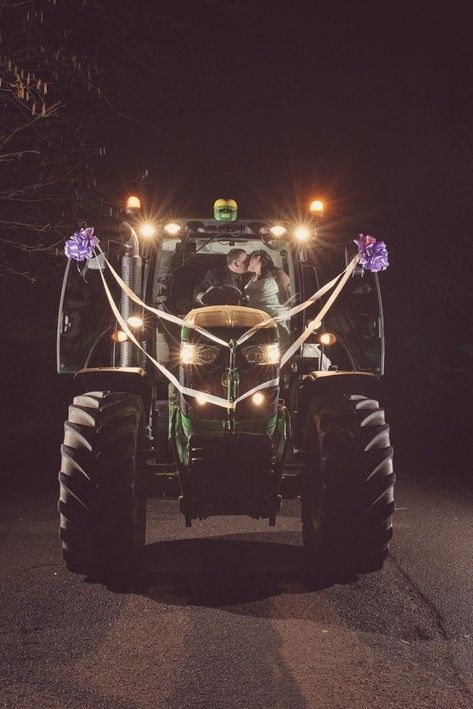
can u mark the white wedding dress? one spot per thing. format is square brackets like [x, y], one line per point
[264, 295]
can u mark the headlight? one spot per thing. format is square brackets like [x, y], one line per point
[147, 230]
[135, 322]
[173, 228]
[198, 354]
[278, 230]
[257, 398]
[119, 336]
[302, 233]
[262, 354]
[327, 338]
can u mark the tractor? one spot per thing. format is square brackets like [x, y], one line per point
[215, 403]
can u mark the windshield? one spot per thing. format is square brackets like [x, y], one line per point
[182, 266]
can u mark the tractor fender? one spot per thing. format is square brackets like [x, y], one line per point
[320, 385]
[133, 380]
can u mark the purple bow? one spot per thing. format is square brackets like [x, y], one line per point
[373, 253]
[80, 246]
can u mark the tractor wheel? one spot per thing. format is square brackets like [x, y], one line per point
[102, 518]
[347, 499]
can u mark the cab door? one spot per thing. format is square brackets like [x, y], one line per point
[85, 320]
[356, 317]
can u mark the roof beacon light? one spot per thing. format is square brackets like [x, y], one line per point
[133, 203]
[316, 208]
[172, 228]
[225, 210]
[302, 233]
[278, 230]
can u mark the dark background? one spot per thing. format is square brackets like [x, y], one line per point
[368, 105]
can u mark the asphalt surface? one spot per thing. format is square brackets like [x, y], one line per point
[223, 617]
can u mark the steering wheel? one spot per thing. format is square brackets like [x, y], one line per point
[222, 295]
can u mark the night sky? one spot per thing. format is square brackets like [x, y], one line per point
[270, 101]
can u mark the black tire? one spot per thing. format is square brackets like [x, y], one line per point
[348, 486]
[102, 519]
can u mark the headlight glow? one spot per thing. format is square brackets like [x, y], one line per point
[257, 398]
[147, 230]
[119, 336]
[198, 354]
[135, 321]
[302, 233]
[278, 230]
[262, 354]
[172, 228]
[327, 338]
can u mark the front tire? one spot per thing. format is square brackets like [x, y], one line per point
[348, 486]
[101, 515]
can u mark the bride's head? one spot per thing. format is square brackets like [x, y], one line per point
[260, 263]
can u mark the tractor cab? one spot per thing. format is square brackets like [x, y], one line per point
[164, 263]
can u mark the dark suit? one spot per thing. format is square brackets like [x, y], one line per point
[222, 276]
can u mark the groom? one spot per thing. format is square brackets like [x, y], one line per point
[235, 273]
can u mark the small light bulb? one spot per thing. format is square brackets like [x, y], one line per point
[278, 230]
[257, 398]
[187, 353]
[147, 230]
[201, 399]
[172, 228]
[302, 233]
[327, 338]
[119, 336]
[135, 321]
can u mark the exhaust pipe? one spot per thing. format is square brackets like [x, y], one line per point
[131, 272]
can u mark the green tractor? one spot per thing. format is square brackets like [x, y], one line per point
[217, 403]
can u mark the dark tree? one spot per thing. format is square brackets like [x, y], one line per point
[73, 78]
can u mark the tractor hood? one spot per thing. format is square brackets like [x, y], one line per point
[218, 316]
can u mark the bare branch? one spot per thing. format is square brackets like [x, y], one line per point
[24, 274]
[8, 157]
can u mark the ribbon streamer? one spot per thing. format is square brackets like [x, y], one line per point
[302, 306]
[211, 398]
[317, 321]
[246, 335]
[160, 313]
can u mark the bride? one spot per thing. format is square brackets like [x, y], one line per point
[268, 289]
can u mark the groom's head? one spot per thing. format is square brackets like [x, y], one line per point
[237, 261]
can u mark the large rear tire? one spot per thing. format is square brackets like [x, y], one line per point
[102, 518]
[348, 486]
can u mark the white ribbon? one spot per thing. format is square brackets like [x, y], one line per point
[317, 321]
[211, 398]
[160, 313]
[302, 306]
